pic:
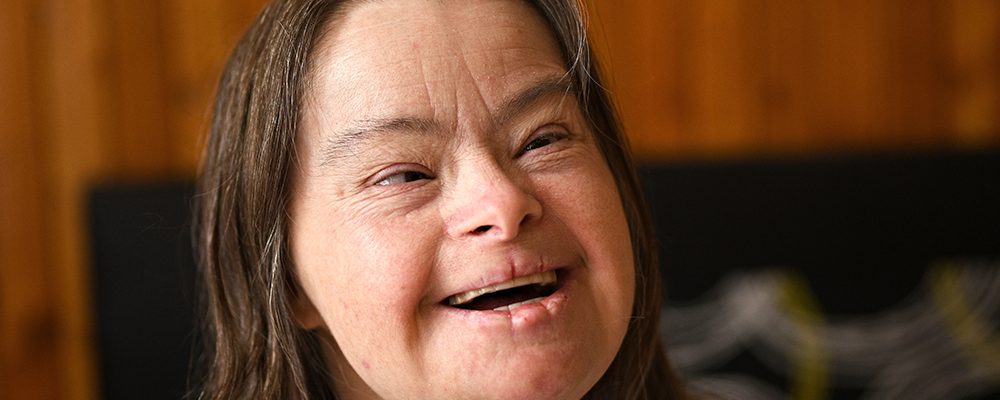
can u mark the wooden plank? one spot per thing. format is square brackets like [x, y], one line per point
[718, 91]
[716, 78]
[74, 88]
[975, 55]
[646, 43]
[753, 41]
[921, 75]
[787, 78]
[193, 48]
[844, 56]
[198, 36]
[29, 364]
[139, 140]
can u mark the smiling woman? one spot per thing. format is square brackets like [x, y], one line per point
[423, 199]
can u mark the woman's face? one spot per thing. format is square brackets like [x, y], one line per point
[455, 230]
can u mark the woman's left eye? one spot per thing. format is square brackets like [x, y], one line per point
[402, 177]
[542, 141]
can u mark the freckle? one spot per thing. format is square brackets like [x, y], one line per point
[364, 363]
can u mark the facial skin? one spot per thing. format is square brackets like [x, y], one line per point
[440, 152]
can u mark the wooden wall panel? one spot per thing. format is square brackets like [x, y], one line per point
[98, 90]
[90, 92]
[71, 123]
[785, 81]
[975, 40]
[197, 38]
[720, 78]
[29, 365]
[138, 141]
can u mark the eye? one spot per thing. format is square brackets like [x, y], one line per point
[403, 177]
[542, 141]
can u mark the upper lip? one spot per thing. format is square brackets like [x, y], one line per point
[542, 278]
[517, 266]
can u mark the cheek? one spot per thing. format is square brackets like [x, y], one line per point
[589, 205]
[361, 273]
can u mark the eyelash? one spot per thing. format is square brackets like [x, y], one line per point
[404, 172]
[410, 174]
[551, 137]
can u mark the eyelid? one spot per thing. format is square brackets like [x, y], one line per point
[396, 169]
[555, 131]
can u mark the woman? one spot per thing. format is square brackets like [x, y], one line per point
[423, 199]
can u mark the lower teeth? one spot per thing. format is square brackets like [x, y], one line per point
[510, 307]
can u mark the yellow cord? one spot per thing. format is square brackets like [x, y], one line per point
[809, 361]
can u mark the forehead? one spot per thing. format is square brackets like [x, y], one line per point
[410, 56]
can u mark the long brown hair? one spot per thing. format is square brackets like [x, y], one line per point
[252, 347]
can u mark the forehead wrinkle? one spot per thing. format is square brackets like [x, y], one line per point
[364, 131]
[361, 132]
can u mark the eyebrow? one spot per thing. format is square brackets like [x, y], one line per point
[348, 139]
[364, 130]
[521, 101]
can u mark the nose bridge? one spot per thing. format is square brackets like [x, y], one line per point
[488, 201]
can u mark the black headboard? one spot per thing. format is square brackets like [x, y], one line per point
[853, 224]
[143, 279]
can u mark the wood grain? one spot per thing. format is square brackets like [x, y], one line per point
[719, 79]
[105, 90]
[29, 359]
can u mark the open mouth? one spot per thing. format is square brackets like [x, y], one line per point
[508, 295]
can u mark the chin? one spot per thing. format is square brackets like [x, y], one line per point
[538, 374]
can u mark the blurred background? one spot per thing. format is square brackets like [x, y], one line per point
[113, 92]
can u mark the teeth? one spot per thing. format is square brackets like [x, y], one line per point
[516, 305]
[542, 278]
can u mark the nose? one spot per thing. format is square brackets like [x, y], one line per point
[487, 203]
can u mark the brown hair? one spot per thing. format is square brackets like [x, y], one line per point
[253, 347]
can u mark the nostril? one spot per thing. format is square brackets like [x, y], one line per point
[482, 229]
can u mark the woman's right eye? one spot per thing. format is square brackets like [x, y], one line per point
[402, 177]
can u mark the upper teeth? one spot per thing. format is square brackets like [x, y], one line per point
[542, 278]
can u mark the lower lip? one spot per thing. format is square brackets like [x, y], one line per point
[525, 316]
